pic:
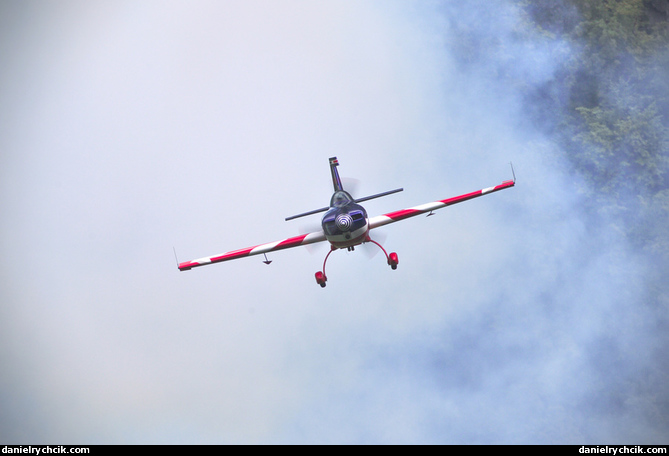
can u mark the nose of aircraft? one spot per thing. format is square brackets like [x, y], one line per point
[344, 222]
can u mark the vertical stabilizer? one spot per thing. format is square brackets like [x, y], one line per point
[336, 181]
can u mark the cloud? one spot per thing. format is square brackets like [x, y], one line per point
[139, 126]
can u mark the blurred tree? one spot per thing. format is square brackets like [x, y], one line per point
[612, 105]
[609, 106]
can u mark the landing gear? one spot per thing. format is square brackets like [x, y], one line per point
[321, 278]
[393, 260]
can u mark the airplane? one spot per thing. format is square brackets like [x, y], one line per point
[345, 225]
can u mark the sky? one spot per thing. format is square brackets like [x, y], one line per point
[130, 128]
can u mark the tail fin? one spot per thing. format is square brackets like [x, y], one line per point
[336, 181]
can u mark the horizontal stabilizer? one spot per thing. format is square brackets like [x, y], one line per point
[315, 211]
[379, 195]
[359, 200]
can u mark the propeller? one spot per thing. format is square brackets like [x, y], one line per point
[351, 185]
[369, 248]
[313, 227]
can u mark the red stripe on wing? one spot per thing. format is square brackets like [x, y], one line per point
[292, 242]
[186, 265]
[232, 255]
[458, 199]
[261, 248]
[402, 214]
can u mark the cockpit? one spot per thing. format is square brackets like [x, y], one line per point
[340, 198]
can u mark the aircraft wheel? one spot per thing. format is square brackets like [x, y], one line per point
[393, 260]
[320, 279]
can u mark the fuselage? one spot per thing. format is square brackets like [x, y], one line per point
[345, 224]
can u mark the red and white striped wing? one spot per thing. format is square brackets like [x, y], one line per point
[396, 216]
[296, 241]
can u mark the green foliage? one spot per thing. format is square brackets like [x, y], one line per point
[607, 106]
[623, 147]
[611, 107]
[615, 27]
